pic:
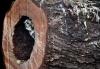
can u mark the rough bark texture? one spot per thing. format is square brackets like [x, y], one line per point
[69, 44]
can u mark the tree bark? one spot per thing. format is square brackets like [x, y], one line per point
[73, 38]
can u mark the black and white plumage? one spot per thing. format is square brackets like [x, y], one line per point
[28, 26]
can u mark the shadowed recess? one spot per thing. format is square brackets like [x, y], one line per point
[23, 38]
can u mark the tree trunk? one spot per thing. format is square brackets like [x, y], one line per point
[72, 30]
[24, 8]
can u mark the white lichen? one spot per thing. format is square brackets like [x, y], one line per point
[63, 9]
[85, 24]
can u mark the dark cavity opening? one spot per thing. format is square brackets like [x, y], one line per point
[23, 38]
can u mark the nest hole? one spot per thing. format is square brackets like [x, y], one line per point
[23, 38]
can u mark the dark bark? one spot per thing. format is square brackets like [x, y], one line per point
[69, 44]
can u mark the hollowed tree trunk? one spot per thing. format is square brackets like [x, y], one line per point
[73, 38]
[24, 8]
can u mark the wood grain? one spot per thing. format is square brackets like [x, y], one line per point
[26, 8]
